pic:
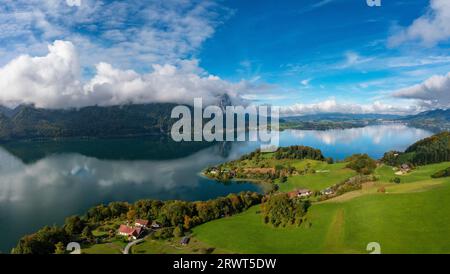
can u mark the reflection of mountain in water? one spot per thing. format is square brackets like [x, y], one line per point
[157, 148]
[374, 134]
[48, 189]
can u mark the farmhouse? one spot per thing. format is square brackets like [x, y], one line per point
[141, 223]
[302, 193]
[327, 191]
[130, 232]
[405, 167]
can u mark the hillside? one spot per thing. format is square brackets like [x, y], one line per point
[435, 120]
[430, 150]
[342, 117]
[326, 121]
[28, 122]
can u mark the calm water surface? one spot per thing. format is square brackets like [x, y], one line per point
[41, 183]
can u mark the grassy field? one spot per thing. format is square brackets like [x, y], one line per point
[408, 218]
[420, 173]
[114, 247]
[173, 246]
[326, 175]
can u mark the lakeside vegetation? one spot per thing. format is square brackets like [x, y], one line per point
[315, 205]
[430, 150]
[100, 224]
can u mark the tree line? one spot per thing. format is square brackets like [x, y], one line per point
[434, 149]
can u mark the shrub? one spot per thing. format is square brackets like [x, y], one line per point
[361, 163]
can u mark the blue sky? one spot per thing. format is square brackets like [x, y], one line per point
[308, 56]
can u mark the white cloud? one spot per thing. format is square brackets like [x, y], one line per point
[353, 59]
[305, 82]
[53, 81]
[431, 28]
[73, 3]
[433, 92]
[332, 106]
[129, 34]
[44, 81]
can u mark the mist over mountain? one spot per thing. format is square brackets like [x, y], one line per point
[128, 120]
[29, 122]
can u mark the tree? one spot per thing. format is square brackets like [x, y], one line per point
[86, 234]
[187, 222]
[60, 248]
[280, 210]
[131, 215]
[178, 231]
[361, 163]
[73, 225]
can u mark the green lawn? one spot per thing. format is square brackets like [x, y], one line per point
[326, 176]
[172, 246]
[409, 218]
[115, 247]
[418, 174]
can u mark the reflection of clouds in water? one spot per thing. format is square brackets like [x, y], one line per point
[376, 134]
[74, 173]
[299, 134]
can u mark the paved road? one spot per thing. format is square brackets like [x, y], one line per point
[129, 245]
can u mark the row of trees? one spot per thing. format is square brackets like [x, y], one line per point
[176, 216]
[298, 152]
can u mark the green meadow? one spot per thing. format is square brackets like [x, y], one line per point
[326, 175]
[410, 217]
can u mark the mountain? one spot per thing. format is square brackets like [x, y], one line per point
[435, 120]
[326, 121]
[341, 117]
[434, 149]
[28, 122]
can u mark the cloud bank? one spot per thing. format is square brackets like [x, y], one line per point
[332, 106]
[433, 92]
[431, 28]
[54, 81]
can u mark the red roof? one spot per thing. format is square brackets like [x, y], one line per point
[130, 231]
[136, 231]
[142, 222]
[126, 229]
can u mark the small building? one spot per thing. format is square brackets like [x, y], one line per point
[327, 191]
[405, 167]
[185, 241]
[125, 230]
[130, 232]
[156, 225]
[302, 193]
[141, 223]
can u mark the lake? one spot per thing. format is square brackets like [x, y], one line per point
[41, 183]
